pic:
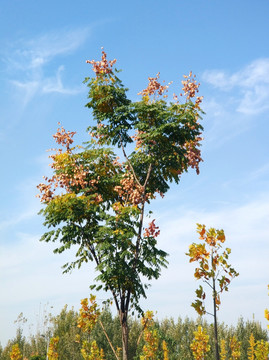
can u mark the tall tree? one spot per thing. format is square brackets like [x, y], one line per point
[97, 200]
[213, 269]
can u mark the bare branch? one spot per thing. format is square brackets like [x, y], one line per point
[141, 333]
[130, 164]
[147, 177]
[112, 347]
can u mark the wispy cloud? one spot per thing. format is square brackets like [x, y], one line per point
[27, 89]
[261, 172]
[28, 264]
[55, 84]
[34, 53]
[246, 227]
[223, 122]
[252, 82]
[26, 215]
[28, 63]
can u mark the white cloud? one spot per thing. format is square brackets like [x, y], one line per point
[30, 58]
[55, 84]
[252, 82]
[31, 275]
[27, 89]
[246, 229]
[261, 172]
[255, 100]
[11, 222]
[34, 53]
[222, 123]
[253, 74]
[43, 85]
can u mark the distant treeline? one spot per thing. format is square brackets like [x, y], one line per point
[178, 335]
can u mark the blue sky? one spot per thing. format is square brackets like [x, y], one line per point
[43, 49]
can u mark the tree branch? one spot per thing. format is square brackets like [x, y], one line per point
[130, 164]
[97, 261]
[208, 283]
[209, 313]
[112, 347]
[141, 333]
[147, 177]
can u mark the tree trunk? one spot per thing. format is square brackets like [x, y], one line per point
[215, 322]
[124, 334]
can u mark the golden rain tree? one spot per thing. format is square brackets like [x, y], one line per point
[213, 269]
[97, 200]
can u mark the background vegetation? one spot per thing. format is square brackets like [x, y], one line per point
[178, 334]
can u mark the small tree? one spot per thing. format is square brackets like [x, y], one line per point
[223, 350]
[151, 338]
[52, 350]
[262, 350]
[235, 348]
[89, 316]
[104, 198]
[200, 345]
[151, 349]
[91, 351]
[15, 353]
[213, 269]
[251, 348]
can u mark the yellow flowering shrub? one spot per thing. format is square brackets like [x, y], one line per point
[15, 353]
[52, 353]
[151, 338]
[91, 351]
[262, 350]
[251, 349]
[235, 348]
[223, 350]
[200, 345]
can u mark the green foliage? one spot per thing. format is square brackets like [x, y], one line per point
[178, 335]
[65, 327]
[102, 206]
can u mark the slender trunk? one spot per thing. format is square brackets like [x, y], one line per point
[215, 321]
[125, 335]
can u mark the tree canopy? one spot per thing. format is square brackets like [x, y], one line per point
[100, 191]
